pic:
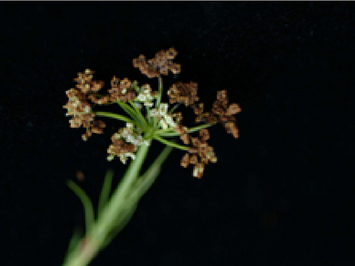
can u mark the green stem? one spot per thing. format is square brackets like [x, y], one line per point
[174, 108]
[96, 238]
[130, 111]
[160, 90]
[157, 104]
[170, 143]
[145, 182]
[114, 116]
[140, 188]
[147, 110]
[166, 133]
[139, 114]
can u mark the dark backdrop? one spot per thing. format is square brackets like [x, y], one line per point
[280, 195]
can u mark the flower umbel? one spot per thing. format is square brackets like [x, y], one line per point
[80, 103]
[157, 120]
[161, 64]
[147, 114]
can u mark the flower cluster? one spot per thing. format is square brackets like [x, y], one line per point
[123, 90]
[185, 93]
[166, 120]
[202, 153]
[125, 143]
[158, 120]
[161, 64]
[223, 113]
[148, 117]
[146, 95]
[79, 105]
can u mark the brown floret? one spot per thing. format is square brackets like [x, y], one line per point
[185, 93]
[161, 64]
[233, 109]
[204, 134]
[98, 126]
[201, 153]
[185, 160]
[121, 149]
[121, 90]
[80, 101]
[185, 138]
[221, 112]
[171, 53]
[197, 108]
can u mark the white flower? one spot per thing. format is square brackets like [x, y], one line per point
[142, 97]
[163, 124]
[110, 157]
[163, 108]
[149, 104]
[154, 112]
[170, 121]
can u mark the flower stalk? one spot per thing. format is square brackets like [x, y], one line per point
[118, 210]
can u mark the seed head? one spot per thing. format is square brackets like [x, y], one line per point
[185, 93]
[161, 64]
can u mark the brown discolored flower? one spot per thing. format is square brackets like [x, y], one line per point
[125, 83]
[198, 170]
[75, 122]
[225, 113]
[161, 64]
[85, 83]
[203, 117]
[185, 138]
[204, 134]
[197, 108]
[131, 95]
[98, 126]
[84, 77]
[233, 109]
[80, 101]
[193, 159]
[138, 62]
[185, 160]
[171, 53]
[222, 95]
[78, 107]
[181, 129]
[121, 149]
[221, 112]
[86, 136]
[121, 90]
[175, 68]
[178, 117]
[231, 128]
[96, 85]
[87, 119]
[201, 153]
[185, 93]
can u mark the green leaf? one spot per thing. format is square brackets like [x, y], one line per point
[105, 191]
[87, 204]
[114, 116]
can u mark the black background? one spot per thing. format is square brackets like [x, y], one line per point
[280, 195]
